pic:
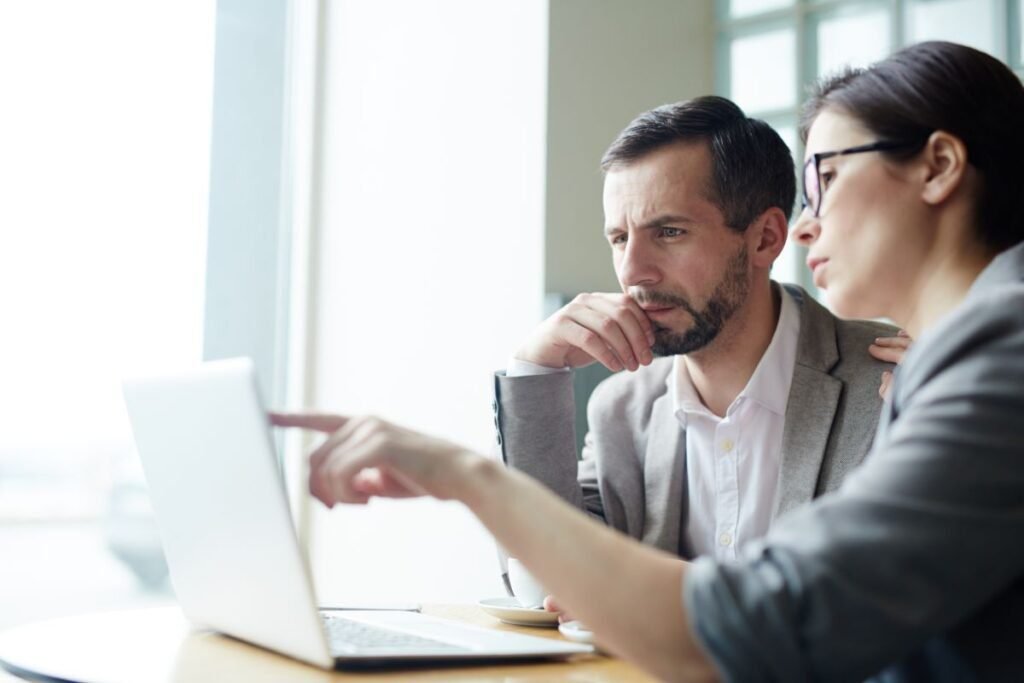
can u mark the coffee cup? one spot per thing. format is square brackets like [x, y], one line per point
[526, 589]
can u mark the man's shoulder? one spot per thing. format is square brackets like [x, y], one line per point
[642, 386]
[852, 336]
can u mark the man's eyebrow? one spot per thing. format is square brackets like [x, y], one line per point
[655, 222]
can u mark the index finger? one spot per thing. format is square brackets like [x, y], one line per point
[318, 422]
[645, 323]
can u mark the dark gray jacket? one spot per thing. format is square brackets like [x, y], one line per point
[914, 569]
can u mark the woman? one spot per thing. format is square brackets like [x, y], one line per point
[913, 570]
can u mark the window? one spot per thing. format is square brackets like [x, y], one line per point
[103, 199]
[146, 212]
[430, 234]
[769, 51]
[105, 133]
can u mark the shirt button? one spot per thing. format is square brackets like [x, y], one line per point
[727, 445]
[725, 539]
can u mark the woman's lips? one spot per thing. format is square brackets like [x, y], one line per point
[817, 266]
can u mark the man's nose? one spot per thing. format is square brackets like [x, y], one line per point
[638, 266]
[806, 229]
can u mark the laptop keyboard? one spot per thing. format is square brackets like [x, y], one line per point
[347, 635]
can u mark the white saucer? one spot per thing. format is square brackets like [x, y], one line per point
[575, 630]
[508, 610]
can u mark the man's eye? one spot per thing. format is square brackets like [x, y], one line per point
[672, 232]
[617, 240]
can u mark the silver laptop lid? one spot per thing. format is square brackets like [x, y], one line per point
[221, 508]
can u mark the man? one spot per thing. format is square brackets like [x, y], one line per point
[742, 398]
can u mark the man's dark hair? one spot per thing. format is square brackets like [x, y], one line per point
[751, 167]
[943, 86]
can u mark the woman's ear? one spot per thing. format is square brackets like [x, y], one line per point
[945, 157]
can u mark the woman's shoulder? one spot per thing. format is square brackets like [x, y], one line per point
[981, 341]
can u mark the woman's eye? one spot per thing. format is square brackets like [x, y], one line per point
[826, 178]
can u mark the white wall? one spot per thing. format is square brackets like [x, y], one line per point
[430, 260]
[610, 60]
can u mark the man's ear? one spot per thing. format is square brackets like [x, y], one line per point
[767, 237]
[945, 159]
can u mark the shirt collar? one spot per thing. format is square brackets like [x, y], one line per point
[685, 399]
[768, 385]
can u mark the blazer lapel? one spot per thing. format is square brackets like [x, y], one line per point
[665, 499]
[811, 407]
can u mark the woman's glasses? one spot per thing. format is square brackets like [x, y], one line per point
[812, 178]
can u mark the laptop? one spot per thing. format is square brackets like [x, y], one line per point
[234, 559]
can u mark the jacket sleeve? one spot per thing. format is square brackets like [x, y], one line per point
[535, 418]
[922, 538]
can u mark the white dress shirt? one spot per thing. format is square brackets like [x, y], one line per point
[732, 463]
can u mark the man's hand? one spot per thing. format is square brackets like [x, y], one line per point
[366, 456]
[608, 328]
[890, 350]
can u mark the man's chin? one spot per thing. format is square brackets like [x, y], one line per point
[670, 343]
[665, 340]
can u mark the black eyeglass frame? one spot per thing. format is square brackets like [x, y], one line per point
[816, 159]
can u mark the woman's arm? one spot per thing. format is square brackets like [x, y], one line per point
[629, 594]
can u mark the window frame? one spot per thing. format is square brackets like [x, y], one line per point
[263, 167]
[802, 15]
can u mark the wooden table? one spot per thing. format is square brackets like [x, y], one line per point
[157, 644]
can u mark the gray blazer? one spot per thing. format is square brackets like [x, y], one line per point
[633, 471]
[914, 569]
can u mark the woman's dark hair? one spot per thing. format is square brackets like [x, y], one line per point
[751, 167]
[944, 86]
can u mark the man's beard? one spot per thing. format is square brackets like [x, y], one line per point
[729, 294]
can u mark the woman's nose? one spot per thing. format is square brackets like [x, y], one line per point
[806, 229]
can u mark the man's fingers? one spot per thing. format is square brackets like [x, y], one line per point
[320, 422]
[633, 322]
[619, 334]
[612, 333]
[592, 343]
[617, 321]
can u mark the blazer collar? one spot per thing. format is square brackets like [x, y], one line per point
[813, 400]
[817, 348]
[665, 496]
[1006, 267]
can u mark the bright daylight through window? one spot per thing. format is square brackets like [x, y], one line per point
[103, 200]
